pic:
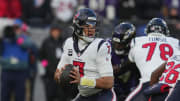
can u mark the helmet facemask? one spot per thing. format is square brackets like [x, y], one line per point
[120, 47]
[86, 32]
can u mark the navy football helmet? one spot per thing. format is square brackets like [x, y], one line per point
[122, 36]
[157, 25]
[84, 17]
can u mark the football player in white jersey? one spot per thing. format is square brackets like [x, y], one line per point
[91, 59]
[164, 78]
[174, 93]
[148, 52]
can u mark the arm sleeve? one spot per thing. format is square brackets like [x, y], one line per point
[64, 58]
[103, 60]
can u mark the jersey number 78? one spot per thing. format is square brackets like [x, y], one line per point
[164, 48]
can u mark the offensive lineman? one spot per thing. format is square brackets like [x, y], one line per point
[92, 57]
[148, 52]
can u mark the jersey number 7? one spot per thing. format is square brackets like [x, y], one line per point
[165, 50]
[80, 65]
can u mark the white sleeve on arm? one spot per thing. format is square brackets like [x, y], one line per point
[103, 60]
[64, 58]
[131, 51]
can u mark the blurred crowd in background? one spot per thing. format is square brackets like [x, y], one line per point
[32, 33]
[43, 13]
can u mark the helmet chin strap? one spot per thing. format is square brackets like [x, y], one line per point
[86, 39]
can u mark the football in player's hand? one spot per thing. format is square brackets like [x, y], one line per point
[65, 78]
[70, 89]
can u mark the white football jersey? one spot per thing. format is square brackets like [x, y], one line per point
[149, 52]
[171, 73]
[92, 63]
